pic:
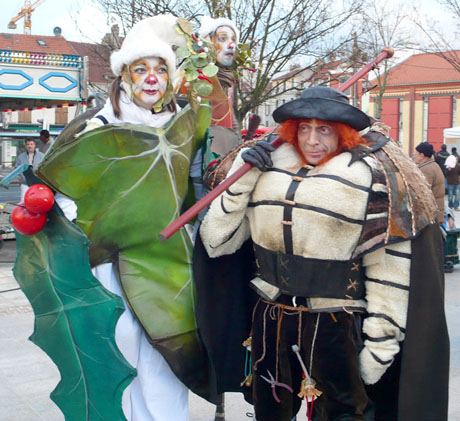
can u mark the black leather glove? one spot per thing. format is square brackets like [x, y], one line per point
[259, 155]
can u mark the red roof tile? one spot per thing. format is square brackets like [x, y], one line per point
[22, 42]
[99, 60]
[424, 68]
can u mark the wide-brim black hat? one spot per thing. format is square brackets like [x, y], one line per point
[325, 104]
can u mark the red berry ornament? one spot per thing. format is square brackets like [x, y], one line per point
[38, 199]
[26, 222]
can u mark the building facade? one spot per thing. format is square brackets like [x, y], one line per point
[290, 85]
[45, 81]
[420, 100]
[43, 84]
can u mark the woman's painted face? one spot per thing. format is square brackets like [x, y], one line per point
[149, 77]
[317, 140]
[224, 40]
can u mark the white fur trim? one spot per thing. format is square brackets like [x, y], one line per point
[387, 298]
[371, 370]
[151, 37]
[131, 113]
[224, 233]
[316, 192]
[209, 25]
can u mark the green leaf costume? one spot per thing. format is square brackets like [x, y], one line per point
[129, 182]
[73, 311]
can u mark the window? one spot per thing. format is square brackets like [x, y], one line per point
[41, 43]
[454, 111]
[425, 120]
[62, 115]
[267, 109]
[276, 102]
[342, 80]
[25, 116]
[400, 123]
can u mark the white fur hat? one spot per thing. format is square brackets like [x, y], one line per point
[151, 37]
[209, 25]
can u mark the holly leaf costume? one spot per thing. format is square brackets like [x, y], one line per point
[75, 320]
[129, 182]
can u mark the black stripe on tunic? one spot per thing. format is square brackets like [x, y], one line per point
[282, 171]
[398, 254]
[229, 237]
[230, 193]
[379, 360]
[388, 283]
[388, 319]
[343, 181]
[222, 205]
[380, 339]
[307, 207]
[287, 213]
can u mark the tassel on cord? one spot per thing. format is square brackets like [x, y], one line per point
[308, 388]
[247, 364]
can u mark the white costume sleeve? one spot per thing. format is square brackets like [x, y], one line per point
[387, 295]
[225, 227]
[67, 205]
[92, 124]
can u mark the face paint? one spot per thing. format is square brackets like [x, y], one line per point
[149, 77]
[224, 40]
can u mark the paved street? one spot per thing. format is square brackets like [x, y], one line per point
[11, 194]
[28, 376]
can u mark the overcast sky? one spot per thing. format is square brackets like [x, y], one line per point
[62, 13]
[81, 20]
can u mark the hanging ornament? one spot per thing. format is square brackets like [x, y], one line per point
[38, 199]
[26, 222]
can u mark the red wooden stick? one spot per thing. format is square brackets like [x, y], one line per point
[188, 215]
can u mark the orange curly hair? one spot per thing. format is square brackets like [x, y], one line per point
[348, 137]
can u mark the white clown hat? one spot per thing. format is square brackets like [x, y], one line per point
[150, 37]
[209, 25]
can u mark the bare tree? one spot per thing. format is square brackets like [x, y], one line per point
[278, 34]
[381, 26]
[439, 42]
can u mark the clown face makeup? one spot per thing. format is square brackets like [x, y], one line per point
[149, 76]
[224, 40]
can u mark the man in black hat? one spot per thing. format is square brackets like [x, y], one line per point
[347, 259]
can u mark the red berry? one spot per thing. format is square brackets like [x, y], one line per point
[26, 222]
[38, 199]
